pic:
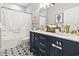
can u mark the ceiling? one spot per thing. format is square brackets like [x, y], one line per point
[63, 6]
[23, 4]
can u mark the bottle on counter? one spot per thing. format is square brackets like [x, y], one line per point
[57, 29]
[66, 28]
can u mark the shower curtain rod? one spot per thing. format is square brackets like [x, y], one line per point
[16, 10]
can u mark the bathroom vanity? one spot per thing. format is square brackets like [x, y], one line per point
[53, 44]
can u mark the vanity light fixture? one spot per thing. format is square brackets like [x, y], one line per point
[46, 5]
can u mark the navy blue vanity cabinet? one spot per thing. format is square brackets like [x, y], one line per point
[45, 45]
[55, 46]
[32, 35]
[70, 48]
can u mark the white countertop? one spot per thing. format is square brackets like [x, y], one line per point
[60, 35]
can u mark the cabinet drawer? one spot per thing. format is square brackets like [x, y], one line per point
[43, 47]
[43, 39]
[43, 42]
[42, 52]
[42, 36]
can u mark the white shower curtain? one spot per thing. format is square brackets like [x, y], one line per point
[14, 20]
[15, 26]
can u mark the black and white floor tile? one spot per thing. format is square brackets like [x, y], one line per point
[20, 50]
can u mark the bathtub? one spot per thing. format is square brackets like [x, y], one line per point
[11, 39]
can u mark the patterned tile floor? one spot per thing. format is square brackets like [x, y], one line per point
[20, 50]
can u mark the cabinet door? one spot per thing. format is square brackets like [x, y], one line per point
[55, 46]
[36, 44]
[31, 41]
[70, 48]
[55, 51]
[36, 40]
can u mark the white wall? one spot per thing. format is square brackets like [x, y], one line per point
[42, 21]
[32, 7]
[0, 28]
[0, 12]
[43, 17]
[71, 17]
[43, 12]
[58, 8]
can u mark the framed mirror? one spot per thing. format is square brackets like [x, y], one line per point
[59, 18]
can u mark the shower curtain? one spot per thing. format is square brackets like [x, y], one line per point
[14, 20]
[15, 27]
